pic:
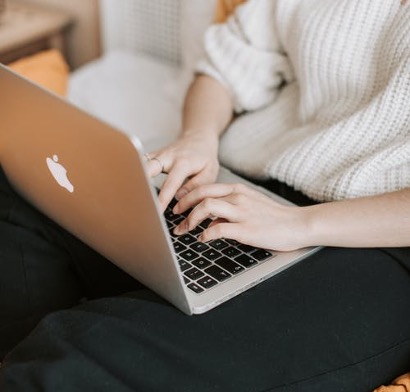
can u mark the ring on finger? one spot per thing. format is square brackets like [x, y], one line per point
[160, 163]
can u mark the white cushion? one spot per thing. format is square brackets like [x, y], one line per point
[136, 94]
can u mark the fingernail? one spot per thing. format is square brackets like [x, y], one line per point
[181, 193]
[180, 229]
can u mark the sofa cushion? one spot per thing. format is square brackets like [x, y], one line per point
[48, 69]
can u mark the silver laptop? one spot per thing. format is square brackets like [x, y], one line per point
[91, 179]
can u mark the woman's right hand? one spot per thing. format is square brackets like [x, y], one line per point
[190, 161]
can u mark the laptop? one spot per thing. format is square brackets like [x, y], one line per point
[91, 179]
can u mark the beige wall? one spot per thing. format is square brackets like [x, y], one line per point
[83, 37]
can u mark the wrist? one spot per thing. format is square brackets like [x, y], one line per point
[205, 133]
[308, 226]
[321, 229]
[210, 139]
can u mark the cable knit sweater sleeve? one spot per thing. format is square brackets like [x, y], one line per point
[246, 56]
[339, 126]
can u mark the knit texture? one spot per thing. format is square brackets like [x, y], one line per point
[324, 91]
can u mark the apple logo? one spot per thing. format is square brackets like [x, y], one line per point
[59, 173]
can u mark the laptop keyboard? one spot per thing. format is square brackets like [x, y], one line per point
[206, 265]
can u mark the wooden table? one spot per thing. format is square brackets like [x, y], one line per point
[27, 29]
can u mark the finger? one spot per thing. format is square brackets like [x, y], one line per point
[392, 388]
[216, 221]
[209, 208]
[154, 167]
[222, 230]
[202, 178]
[240, 192]
[156, 163]
[200, 193]
[172, 183]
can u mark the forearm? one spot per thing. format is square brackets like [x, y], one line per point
[208, 108]
[378, 221]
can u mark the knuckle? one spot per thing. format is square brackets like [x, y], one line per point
[188, 222]
[239, 198]
[216, 231]
[207, 203]
[238, 187]
[193, 183]
[182, 164]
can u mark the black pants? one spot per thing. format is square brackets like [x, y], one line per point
[338, 321]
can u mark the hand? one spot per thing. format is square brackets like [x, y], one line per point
[243, 214]
[400, 384]
[189, 162]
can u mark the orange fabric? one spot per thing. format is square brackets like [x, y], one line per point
[401, 384]
[48, 68]
[224, 8]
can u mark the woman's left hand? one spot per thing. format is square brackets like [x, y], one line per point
[244, 214]
[400, 384]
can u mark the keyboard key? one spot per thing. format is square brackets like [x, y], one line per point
[184, 265]
[199, 247]
[207, 282]
[217, 273]
[187, 239]
[179, 247]
[201, 263]
[204, 224]
[212, 254]
[172, 204]
[189, 255]
[178, 220]
[261, 254]
[197, 231]
[231, 252]
[169, 215]
[246, 261]
[186, 280]
[186, 213]
[194, 274]
[246, 248]
[219, 244]
[229, 265]
[195, 288]
[170, 225]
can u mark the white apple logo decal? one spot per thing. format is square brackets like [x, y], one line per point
[59, 173]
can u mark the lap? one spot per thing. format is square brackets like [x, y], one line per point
[337, 321]
[43, 268]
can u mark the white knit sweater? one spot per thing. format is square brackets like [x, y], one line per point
[325, 86]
